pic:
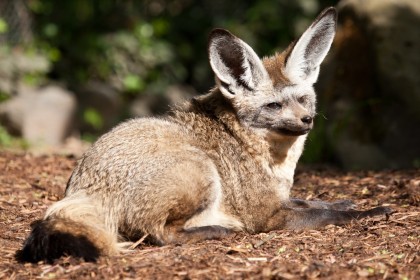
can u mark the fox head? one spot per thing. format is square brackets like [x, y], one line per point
[274, 94]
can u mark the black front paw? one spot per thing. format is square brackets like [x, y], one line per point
[381, 210]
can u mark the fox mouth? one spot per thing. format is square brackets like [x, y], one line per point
[289, 132]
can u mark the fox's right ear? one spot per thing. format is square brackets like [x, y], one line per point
[236, 66]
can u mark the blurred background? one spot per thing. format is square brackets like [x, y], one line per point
[72, 69]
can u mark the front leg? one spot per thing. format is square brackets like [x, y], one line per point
[319, 204]
[310, 218]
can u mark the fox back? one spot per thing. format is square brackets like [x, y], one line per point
[220, 163]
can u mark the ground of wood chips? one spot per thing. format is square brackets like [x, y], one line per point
[374, 248]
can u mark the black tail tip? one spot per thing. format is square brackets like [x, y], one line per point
[46, 244]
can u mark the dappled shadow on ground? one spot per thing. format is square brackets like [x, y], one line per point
[376, 247]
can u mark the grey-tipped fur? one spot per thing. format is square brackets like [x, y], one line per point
[222, 162]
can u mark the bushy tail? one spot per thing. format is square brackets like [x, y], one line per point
[74, 226]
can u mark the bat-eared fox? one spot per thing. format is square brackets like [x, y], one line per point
[220, 163]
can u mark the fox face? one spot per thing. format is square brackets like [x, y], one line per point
[275, 94]
[287, 110]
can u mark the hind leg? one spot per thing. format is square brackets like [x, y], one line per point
[182, 206]
[200, 219]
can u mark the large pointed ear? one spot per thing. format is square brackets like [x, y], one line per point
[236, 66]
[302, 63]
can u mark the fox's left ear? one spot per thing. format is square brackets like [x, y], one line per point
[302, 63]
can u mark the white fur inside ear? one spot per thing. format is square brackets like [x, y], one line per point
[310, 50]
[224, 89]
[251, 60]
[219, 67]
[235, 64]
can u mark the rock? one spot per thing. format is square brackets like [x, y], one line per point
[391, 28]
[369, 88]
[42, 117]
[50, 117]
[12, 111]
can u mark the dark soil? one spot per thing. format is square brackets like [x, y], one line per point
[374, 248]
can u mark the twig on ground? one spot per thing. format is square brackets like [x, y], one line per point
[139, 242]
[262, 241]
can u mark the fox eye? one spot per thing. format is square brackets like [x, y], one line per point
[274, 105]
[302, 99]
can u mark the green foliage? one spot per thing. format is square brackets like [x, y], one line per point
[4, 27]
[8, 141]
[160, 42]
[50, 30]
[4, 96]
[133, 83]
[5, 138]
[93, 118]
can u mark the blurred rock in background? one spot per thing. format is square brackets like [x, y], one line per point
[42, 116]
[369, 88]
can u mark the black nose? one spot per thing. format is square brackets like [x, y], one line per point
[306, 119]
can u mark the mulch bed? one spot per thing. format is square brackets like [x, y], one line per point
[374, 248]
